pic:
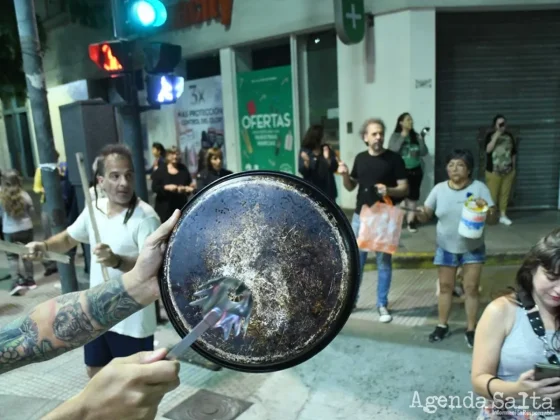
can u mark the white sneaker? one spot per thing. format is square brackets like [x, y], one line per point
[384, 315]
[504, 220]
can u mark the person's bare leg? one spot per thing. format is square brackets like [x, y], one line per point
[410, 215]
[471, 281]
[445, 298]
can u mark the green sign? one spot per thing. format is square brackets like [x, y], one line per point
[266, 119]
[350, 20]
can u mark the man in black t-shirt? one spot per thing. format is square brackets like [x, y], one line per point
[377, 172]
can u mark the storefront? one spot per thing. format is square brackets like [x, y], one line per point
[268, 90]
[258, 78]
[502, 63]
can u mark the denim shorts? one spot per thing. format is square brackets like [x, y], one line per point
[450, 259]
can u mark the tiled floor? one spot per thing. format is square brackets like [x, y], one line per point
[412, 297]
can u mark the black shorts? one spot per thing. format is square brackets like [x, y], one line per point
[414, 177]
[106, 347]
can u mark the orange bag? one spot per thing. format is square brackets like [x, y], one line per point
[380, 227]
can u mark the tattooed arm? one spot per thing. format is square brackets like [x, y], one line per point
[72, 320]
[68, 321]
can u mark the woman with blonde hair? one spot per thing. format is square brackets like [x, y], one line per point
[16, 209]
[213, 168]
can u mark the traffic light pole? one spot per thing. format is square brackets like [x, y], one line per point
[132, 137]
[118, 18]
[130, 113]
[36, 90]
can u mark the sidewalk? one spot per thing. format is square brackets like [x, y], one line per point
[505, 245]
[370, 371]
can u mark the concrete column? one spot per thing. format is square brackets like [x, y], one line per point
[377, 78]
[229, 98]
[423, 85]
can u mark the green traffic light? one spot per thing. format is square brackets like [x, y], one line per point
[149, 13]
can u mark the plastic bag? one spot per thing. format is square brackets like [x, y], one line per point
[380, 227]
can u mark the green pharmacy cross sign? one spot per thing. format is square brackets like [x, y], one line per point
[350, 20]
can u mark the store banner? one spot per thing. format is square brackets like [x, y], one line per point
[266, 119]
[200, 121]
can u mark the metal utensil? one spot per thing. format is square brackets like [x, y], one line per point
[20, 249]
[219, 310]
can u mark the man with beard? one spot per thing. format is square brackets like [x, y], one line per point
[124, 223]
[378, 172]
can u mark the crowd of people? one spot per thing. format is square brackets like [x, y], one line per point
[396, 171]
[115, 318]
[516, 331]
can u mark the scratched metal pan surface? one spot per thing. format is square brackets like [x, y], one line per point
[290, 244]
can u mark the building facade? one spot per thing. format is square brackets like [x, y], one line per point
[453, 64]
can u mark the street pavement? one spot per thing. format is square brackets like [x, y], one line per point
[370, 371]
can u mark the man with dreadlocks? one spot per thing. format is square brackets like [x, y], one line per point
[124, 223]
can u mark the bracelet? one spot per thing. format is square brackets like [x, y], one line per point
[116, 267]
[46, 246]
[488, 386]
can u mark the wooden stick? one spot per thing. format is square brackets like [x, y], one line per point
[85, 186]
[20, 249]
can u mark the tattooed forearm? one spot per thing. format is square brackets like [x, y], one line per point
[111, 304]
[71, 324]
[20, 345]
[79, 318]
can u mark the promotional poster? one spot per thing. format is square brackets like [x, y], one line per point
[266, 119]
[200, 121]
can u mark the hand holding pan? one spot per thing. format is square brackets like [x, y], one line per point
[278, 237]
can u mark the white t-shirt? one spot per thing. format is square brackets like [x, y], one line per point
[13, 225]
[448, 207]
[124, 240]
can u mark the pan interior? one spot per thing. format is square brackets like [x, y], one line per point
[285, 246]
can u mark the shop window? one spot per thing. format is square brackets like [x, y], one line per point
[275, 56]
[201, 67]
[275, 53]
[19, 143]
[322, 84]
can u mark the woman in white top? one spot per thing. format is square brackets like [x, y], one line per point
[16, 209]
[517, 331]
[446, 202]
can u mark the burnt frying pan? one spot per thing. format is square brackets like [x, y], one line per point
[290, 245]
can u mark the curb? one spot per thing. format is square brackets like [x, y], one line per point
[425, 260]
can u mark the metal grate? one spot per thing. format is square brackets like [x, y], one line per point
[206, 405]
[502, 63]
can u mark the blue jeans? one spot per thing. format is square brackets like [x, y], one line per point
[384, 267]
